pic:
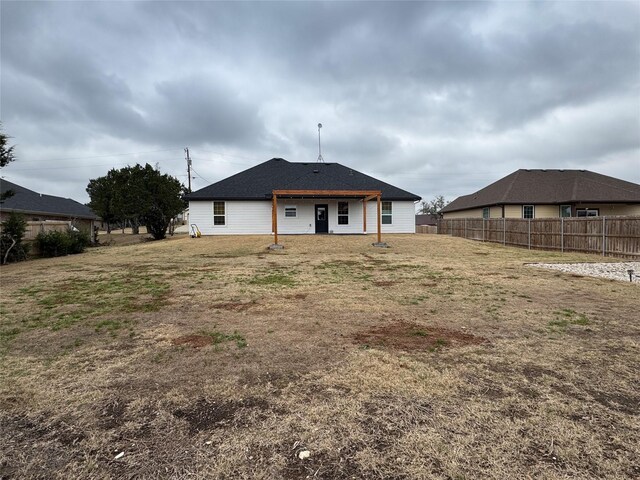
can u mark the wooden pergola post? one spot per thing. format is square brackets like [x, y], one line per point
[364, 215]
[379, 219]
[274, 218]
[371, 196]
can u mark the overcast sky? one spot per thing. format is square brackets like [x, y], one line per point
[437, 98]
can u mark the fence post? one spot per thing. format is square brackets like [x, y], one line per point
[562, 234]
[465, 228]
[483, 229]
[604, 236]
[504, 231]
[529, 234]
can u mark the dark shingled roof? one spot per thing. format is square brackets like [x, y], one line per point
[28, 201]
[553, 187]
[258, 182]
[427, 219]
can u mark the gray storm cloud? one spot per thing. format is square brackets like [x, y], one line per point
[435, 97]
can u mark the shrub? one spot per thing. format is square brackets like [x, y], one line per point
[53, 244]
[11, 247]
[79, 241]
[56, 244]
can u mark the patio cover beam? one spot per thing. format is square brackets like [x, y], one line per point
[366, 194]
[331, 193]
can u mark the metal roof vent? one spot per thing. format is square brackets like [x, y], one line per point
[315, 170]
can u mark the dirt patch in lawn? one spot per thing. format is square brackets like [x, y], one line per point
[195, 341]
[210, 414]
[410, 336]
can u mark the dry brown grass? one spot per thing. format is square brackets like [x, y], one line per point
[436, 358]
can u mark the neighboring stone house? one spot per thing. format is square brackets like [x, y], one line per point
[284, 197]
[549, 193]
[38, 207]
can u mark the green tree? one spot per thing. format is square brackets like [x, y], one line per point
[101, 192]
[6, 152]
[128, 201]
[163, 201]
[6, 157]
[11, 247]
[434, 206]
[139, 196]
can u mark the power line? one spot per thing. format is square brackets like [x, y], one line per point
[200, 176]
[101, 156]
[231, 155]
[69, 166]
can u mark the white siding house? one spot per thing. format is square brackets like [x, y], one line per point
[311, 198]
[254, 218]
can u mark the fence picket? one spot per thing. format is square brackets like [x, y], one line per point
[614, 236]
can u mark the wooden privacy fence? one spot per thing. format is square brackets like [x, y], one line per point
[614, 236]
[34, 228]
[426, 229]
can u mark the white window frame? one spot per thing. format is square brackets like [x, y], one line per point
[565, 206]
[291, 208]
[343, 214]
[486, 212]
[587, 212]
[389, 215]
[533, 211]
[224, 216]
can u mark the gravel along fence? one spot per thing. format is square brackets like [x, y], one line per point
[614, 271]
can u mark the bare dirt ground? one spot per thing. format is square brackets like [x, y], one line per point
[215, 358]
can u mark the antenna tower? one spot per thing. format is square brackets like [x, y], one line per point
[320, 159]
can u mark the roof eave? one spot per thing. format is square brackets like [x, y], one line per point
[59, 214]
[270, 197]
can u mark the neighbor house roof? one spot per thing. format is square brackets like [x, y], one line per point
[24, 200]
[258, 183]
[427, 219]
[550, 187]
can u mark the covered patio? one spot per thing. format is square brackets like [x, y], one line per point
[364, 195]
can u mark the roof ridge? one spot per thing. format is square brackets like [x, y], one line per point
[574, 193]
[608, 184]
[510, 186]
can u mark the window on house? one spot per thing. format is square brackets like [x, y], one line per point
[343, 213]
[527, 211]
[291, 211]
[486, 212]
[219, 215]
[587, 212]
[565, 210]
[387, 213]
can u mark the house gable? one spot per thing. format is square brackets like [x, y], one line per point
[549, 187]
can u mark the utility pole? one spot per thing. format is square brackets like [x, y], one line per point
[186, 152]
